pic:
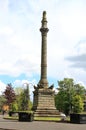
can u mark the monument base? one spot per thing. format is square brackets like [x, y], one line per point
[44, 104]
[46, 113]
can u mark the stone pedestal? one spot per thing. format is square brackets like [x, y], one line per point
[44, 104]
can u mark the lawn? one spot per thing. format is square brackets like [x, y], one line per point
[47, 118]
[58, 119]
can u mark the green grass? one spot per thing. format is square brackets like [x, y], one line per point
[10, 117]
[68, 118]
[36, 118]
[47, 119]
[58, 119]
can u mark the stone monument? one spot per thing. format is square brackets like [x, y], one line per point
[43, 101]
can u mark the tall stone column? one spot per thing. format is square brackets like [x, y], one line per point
[43, 100]
[44, 30]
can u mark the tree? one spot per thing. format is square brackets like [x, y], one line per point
[80, 90]
[64, 96]
[22, 102]
[67, 91]
[18, 90]
[15, 105]
[9, 94]
[78, 104]
[2, 102]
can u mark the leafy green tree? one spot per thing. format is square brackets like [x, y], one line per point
[80, 90]
[22, 102]
[2, 102]
[67, 91]
[15, 105]
[64, 96]
[60, 100]
[78, 104]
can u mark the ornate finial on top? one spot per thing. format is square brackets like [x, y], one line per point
[44, 20]
[44, 14]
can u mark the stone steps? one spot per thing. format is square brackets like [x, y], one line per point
[46, 113]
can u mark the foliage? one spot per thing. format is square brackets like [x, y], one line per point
[9, 94]
[14, 106]
[77, 103]
[22, 101]
[65, 96]
[2, 101]
[18, 90]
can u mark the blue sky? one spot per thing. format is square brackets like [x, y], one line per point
[20, 41]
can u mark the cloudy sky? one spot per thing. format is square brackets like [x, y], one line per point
[20, 41]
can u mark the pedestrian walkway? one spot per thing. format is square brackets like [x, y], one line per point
[38, 125]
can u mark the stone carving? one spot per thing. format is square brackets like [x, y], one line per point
[52, 86]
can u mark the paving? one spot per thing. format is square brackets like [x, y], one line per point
[38, 125]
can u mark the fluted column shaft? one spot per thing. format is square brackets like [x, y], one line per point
[44, 31]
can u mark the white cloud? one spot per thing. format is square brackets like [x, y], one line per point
[23, 83]
[4, 5]
[20, 44]
[81, 47]
[6, 31]
[78, 59]
[2, 87]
